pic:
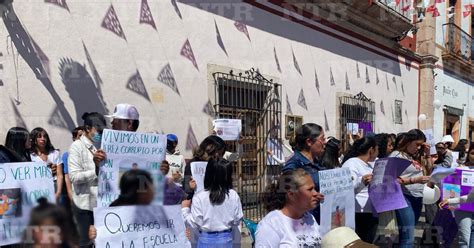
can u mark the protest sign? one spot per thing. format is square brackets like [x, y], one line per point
[439, 173]
[459, 184]
[228, 129]
[21, 185]
[385, 192]
[430, 139]
[455, 159]
[126, 151]
[198, 170]
[274, 152]
[352, 128]
[140, 226]
[338, 208]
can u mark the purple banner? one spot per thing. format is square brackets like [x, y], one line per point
[366, 126]
[385, 192]
[459, 184]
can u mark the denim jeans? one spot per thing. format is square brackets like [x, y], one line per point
[465, 229]
[407, 219]
[215, 240]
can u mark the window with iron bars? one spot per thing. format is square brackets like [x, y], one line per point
[256, 101]
[398, 112]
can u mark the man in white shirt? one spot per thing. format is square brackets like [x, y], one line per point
[175, 159]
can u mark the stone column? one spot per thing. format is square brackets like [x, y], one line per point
[426, 48]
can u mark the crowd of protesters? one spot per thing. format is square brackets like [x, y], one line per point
[213, 216]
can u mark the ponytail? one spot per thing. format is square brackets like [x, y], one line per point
[360, 147]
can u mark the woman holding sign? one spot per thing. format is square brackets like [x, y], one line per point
[43, 151]
[289, 222]
[83, 162]
[464, 218]
[136, 188]
[211, 147]
[411, 146]
[358, 160]
[216, 211]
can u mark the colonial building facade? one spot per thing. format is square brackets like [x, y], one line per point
[273, 64]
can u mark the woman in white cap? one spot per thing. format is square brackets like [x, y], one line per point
[289, 222]
[358, 160]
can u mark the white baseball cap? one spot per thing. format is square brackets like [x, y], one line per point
[124, 111]
[447, 138]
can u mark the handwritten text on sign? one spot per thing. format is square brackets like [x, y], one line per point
[140, 226]
[338, 208]
[21, 185]
[126, 151]
[198, 170]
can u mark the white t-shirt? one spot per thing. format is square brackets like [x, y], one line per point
[206, 217]
[54, 157]
[358, 169]
[278, 230]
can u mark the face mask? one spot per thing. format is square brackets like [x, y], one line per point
[97, 137]
[170, 146]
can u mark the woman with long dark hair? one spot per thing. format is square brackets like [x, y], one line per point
[462, 147]
[331, 156]
[211, 147]
[215, 211]
[385, 144]
[411, 146]
[136, 188]
[42, 150]
[18, 140]
[358, 160]
[289, 222]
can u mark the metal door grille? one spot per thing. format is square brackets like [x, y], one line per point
[256, 101]
[355, 109]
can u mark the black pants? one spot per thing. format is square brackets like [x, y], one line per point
[83, 218]
[366, 226]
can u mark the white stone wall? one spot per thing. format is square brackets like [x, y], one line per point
[56, 102]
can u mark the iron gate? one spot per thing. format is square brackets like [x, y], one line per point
[256, 101]
[356, 109]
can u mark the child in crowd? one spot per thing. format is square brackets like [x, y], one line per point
[216, 211]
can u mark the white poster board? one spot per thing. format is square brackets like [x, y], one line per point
[352, 128]
[430, 139]
[455, 159]
[21, 185]
[126, 151]
[338, 208]
[198, 170]
[140, 226]
[228, 129]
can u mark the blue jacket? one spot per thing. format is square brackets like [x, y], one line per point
[300, 161]
[312, 167]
